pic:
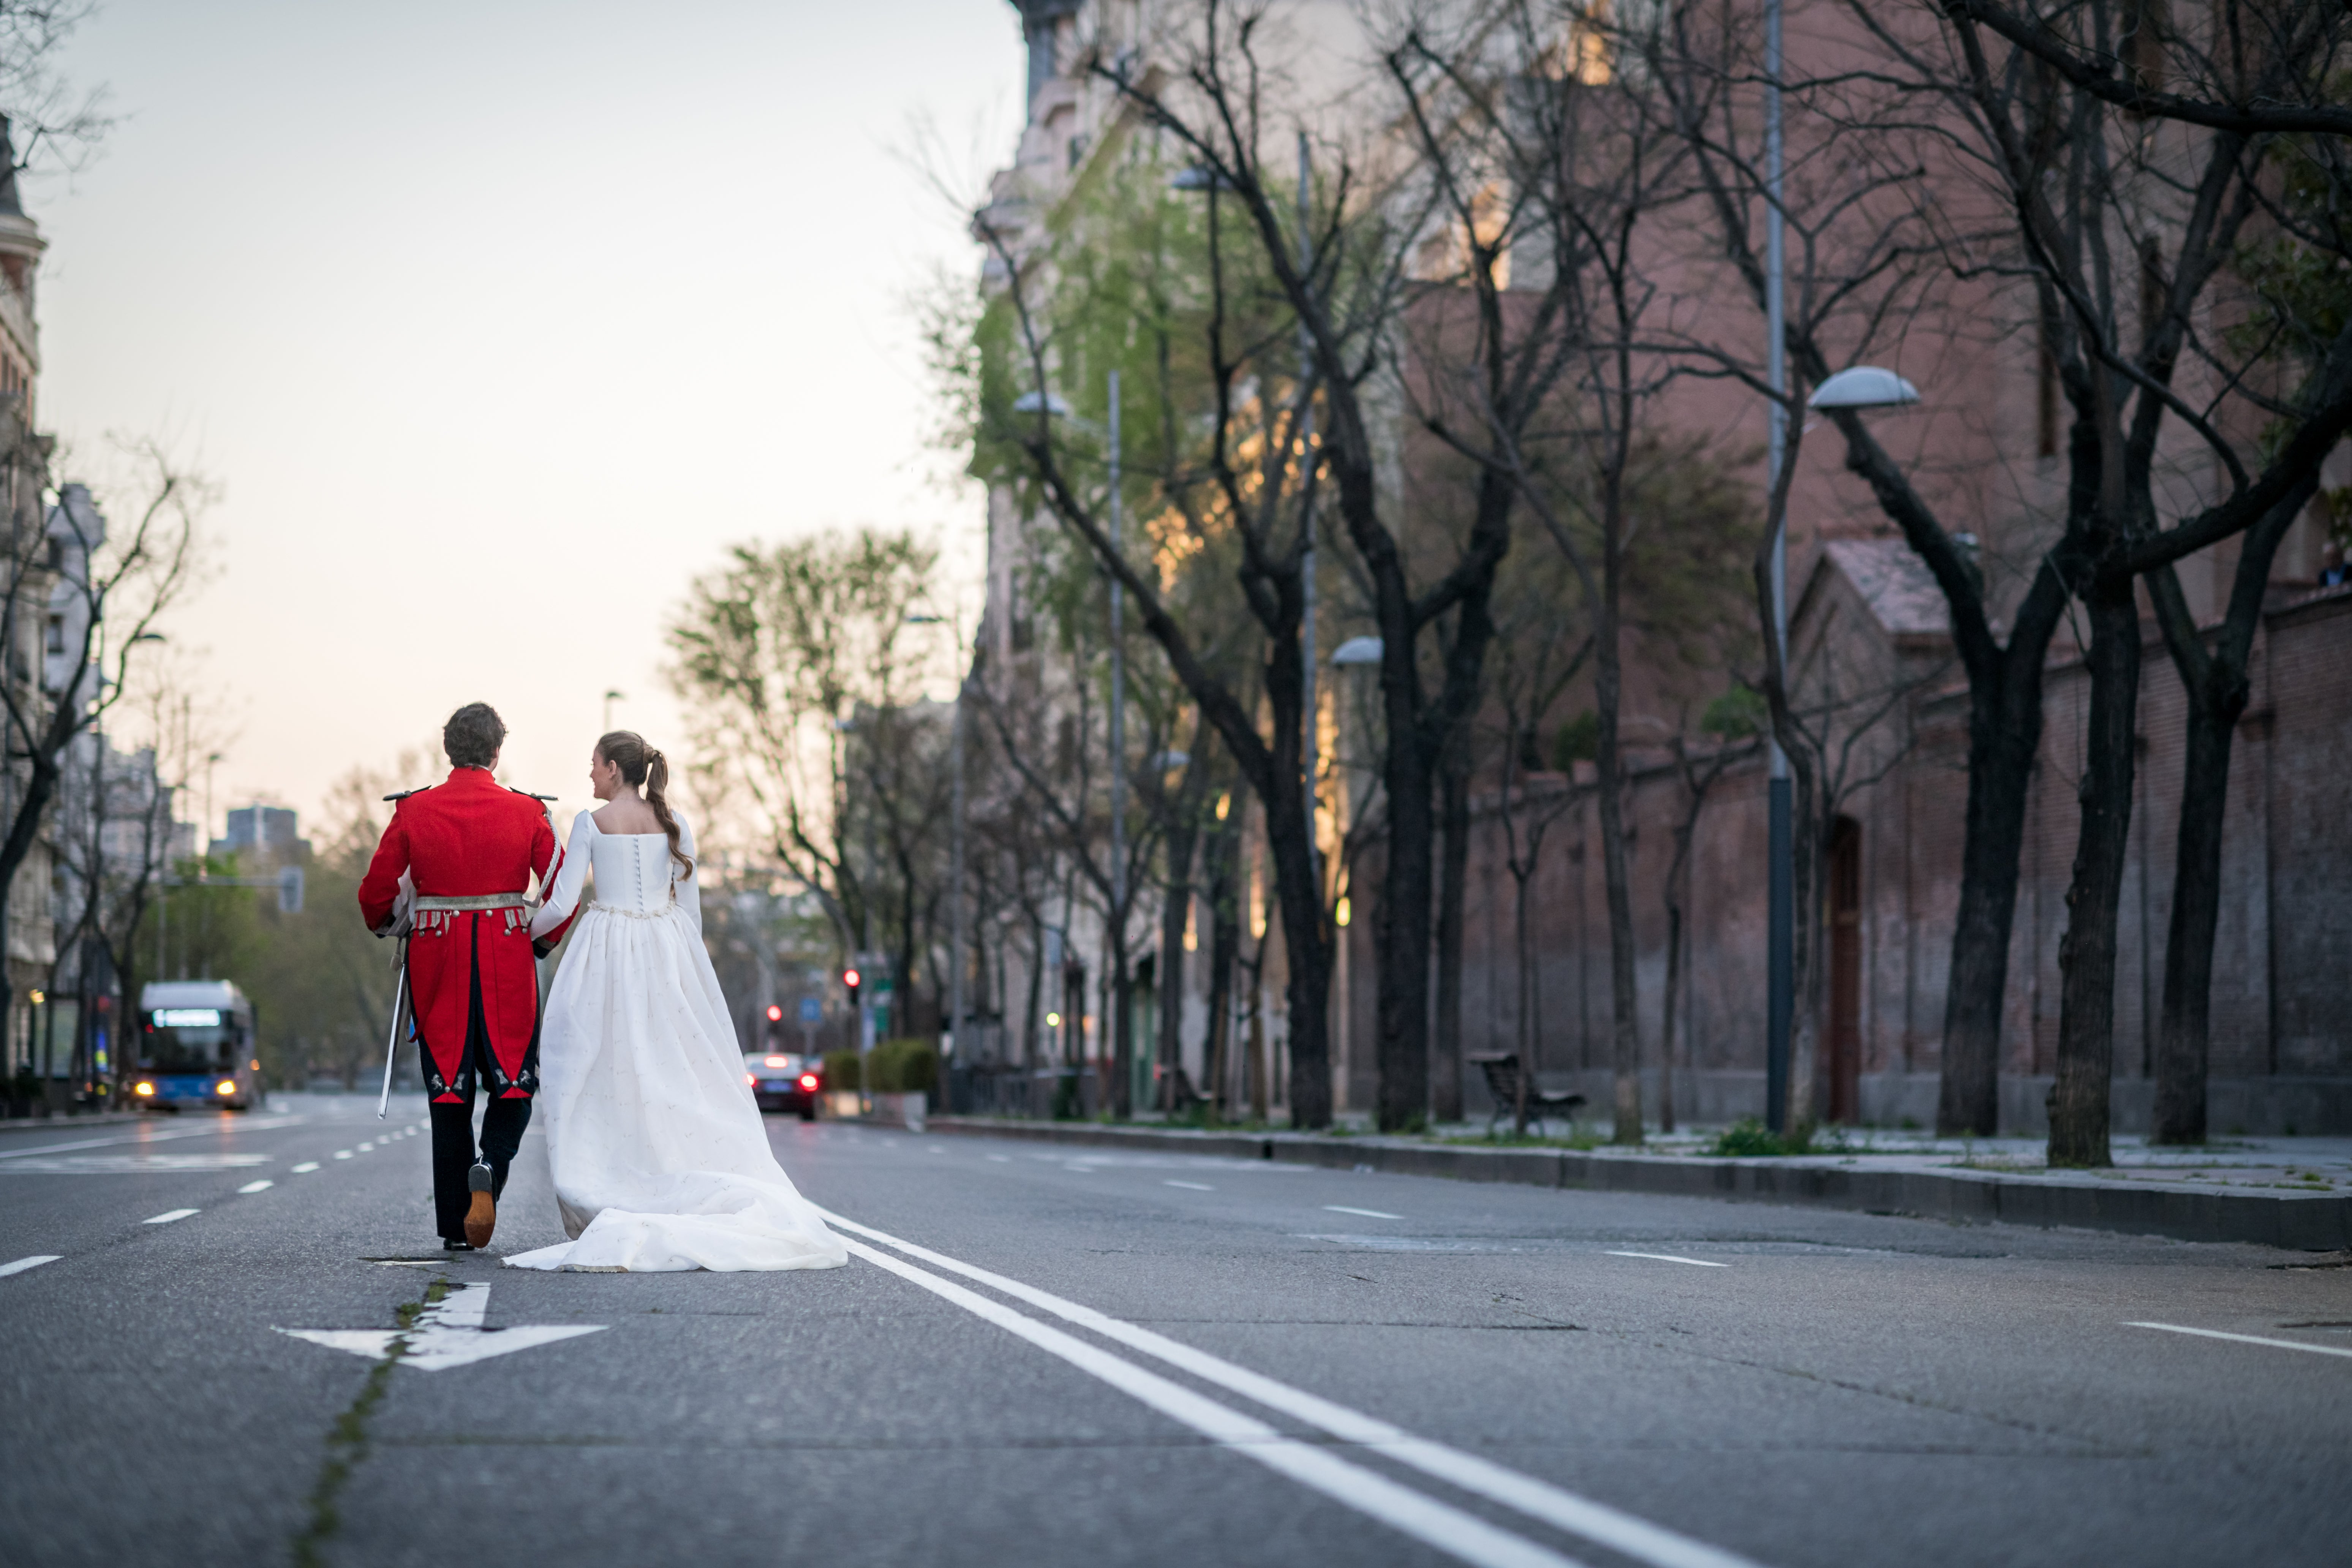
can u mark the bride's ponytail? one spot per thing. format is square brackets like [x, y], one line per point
[643, 767]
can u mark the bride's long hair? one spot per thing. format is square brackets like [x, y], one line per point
[643, 767]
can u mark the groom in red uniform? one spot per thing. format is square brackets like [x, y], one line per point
[466, 849]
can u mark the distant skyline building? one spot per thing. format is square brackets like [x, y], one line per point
[272, 828]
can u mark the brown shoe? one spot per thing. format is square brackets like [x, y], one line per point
[482, 1214]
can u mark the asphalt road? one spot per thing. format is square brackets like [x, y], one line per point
[1080, 1357]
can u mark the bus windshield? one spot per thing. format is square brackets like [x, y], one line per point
[197, 1047]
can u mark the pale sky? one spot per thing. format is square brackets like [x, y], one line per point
[498, 321]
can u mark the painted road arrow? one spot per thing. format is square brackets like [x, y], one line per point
[449, 1334]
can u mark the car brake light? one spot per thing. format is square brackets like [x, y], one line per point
[772, 1061]
[750, 1079]
[225, 1086]
[808, 1081]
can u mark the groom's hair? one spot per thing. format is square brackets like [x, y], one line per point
[473, 735]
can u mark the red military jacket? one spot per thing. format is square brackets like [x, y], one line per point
[467, 838]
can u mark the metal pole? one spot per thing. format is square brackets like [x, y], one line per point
[1118, 754]
[955, 883]
[1780, 947]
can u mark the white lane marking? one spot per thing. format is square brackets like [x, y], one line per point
[343, 1154]
[1190, 1186]
[1669, 1257]
[131, 1164]
[148, 1135]
[367, 1148]
[1001, 1158]
[1628, 1533]
[450, 1334]
[256, 1187]
[2245, 1338]
[167, 1216]
[1368, 1213]
[23, 1263]
[1451, 1531]
[306, 1167]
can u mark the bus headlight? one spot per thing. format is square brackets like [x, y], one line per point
[227, 1085]
[144, 1090]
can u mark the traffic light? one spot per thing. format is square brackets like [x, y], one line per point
[849, 978]
[775, 1024]
[856, 1023]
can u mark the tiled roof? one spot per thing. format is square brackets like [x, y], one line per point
[1894, 583]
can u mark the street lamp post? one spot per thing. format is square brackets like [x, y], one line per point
[1862, 386]
[1780, 952]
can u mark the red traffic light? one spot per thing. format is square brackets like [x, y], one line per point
[849, 978]
[775, 1013]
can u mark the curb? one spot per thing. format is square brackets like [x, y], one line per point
[69, 1124]
[2309, 1222]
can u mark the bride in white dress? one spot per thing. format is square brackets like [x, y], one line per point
[661, 1160]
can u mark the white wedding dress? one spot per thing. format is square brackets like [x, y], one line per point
[661, 1160]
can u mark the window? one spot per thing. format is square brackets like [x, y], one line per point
[57, 643]
[56, 552]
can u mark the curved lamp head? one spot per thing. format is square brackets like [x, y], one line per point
[1863, 386]
[1031, 402]
[1357, 651]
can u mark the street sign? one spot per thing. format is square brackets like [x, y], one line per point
[812, 1010]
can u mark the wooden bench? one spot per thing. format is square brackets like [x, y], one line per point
[1503, 1083]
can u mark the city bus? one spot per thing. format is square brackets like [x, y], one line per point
[196, 1047]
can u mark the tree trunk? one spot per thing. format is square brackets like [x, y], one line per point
[1402, 1050]
[2216, 689]
[1666, 1034]
[1524, 948]
[1122, 1022]
[1626, 1031]
[2086, 956]
[2181, 1037]
[1260, 1100]
[1453, 876]
[1307, 952]
[2004, 737]
[1036, 986]
[1225, 949]
[1175, 914]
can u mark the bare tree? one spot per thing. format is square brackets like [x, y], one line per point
[2131, 212]
[1227, 460]
[79, 601]
[802, 675]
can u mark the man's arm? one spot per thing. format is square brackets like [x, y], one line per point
[380, 886]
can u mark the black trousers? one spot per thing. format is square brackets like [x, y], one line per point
[503, 1122]
[453, 1154]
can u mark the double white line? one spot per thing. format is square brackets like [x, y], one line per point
[1452, 1530]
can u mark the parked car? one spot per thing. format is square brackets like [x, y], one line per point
[784, 1082]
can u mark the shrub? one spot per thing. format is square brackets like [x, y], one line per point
[1748, 1138]
[903, 1067]
[841, 1071]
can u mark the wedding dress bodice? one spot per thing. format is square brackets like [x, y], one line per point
[635, 876]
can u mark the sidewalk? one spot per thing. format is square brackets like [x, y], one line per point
[62, 1123]
[2292, 1192]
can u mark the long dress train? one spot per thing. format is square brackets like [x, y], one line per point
[660, 1158]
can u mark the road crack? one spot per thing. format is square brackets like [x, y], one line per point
[347, 1439]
